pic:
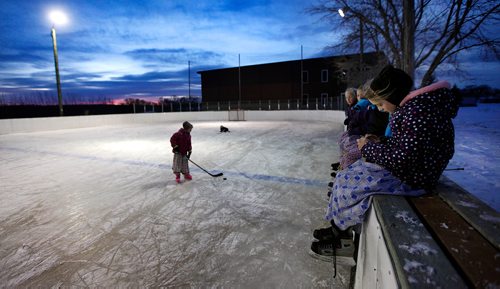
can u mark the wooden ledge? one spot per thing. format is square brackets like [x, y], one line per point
[418, 260]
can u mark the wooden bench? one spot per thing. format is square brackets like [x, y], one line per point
[445, 239]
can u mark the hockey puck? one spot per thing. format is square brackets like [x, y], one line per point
[224, 179]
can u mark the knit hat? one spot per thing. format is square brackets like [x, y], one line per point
[392, 84]
[187, 125]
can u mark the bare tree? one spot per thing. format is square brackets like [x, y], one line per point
[443, 29]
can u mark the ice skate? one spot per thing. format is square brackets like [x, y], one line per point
[339, 250]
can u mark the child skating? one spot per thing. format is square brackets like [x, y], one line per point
[181, 147]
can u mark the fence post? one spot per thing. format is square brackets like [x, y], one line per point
[162, 106]
[260, 105]
[297, 104]
[278, 104]
[229, 105]
[218, 106]
[171, 107]
[199, 106]
[288, 101]
[180, 106]
[133, 104]
[269, 106]
[189, 106]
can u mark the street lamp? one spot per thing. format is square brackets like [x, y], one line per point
[57, 17]
[361, 48]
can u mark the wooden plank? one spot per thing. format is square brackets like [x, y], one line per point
[476, 257]
[418, 260]
[479, 215]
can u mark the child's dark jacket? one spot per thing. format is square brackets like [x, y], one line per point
[422, 141]
[367, 120]
[182, 139]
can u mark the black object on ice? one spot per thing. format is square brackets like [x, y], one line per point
[224, 129]
[216, 175]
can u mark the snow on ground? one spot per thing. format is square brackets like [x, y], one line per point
[99, 207]
[477, 149]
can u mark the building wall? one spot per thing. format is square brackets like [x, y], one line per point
[281, 80]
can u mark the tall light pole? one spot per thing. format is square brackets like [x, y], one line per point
[239, 81]
[189, 79]
[361, 44]
[59, 18]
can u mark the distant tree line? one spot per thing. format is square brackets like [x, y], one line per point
[164, 100]
[482, 93]
[50, 98]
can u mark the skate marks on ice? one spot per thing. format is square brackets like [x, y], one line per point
[165, 167]
[105, 221]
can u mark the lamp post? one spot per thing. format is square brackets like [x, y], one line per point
[361, 45]
[59, 18]
[189, 79]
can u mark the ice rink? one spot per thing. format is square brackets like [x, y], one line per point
[99, 207]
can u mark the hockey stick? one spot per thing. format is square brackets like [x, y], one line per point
[216, 175]
[455, 169]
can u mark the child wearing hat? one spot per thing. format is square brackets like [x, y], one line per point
[181, 147]
[411, 160]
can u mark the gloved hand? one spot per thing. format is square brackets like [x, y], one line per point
[346, 121]
[189, 154]
[175, 150]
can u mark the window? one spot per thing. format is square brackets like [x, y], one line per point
[324, 75]
[305, 76]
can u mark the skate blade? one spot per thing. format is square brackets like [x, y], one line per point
[341, 260]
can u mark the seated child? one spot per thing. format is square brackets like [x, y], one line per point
[411, 160]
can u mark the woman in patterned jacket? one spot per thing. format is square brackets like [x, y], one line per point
[410, 161]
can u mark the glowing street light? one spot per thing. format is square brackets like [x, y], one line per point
[57, 17]
[361, 48]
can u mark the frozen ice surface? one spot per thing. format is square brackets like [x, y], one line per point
[99, 207]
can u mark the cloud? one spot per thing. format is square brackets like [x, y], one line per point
[130, 47]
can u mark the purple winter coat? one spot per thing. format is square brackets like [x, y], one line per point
[422, 141]
[182, 138]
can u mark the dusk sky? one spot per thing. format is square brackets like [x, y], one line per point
[120, 49]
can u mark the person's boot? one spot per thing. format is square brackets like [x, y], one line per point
[340, 251]
[178, 177]
[187, 176]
